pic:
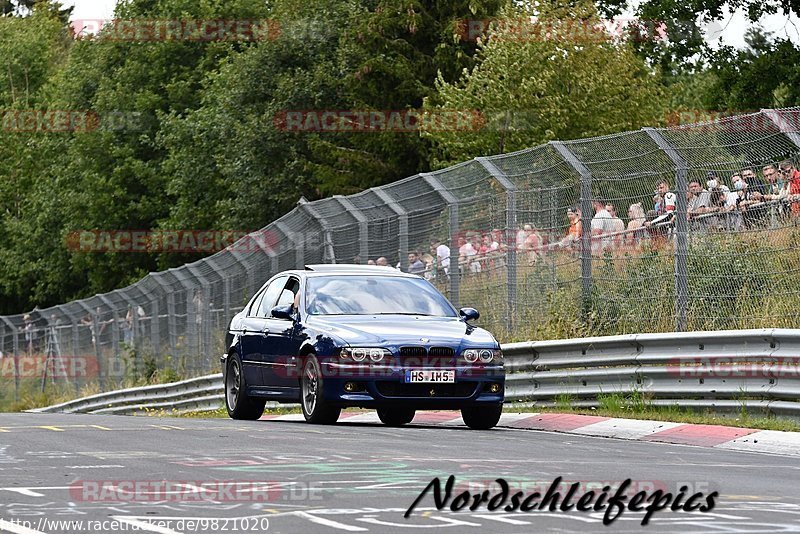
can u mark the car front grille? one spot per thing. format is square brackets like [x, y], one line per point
[459, 390]
[425, 357]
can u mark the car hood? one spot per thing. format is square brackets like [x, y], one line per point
[364, 330]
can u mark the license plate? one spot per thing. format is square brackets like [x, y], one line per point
[430, 375]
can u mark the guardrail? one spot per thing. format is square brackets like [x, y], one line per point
[757, 370]
[722, 371]
[203, 393]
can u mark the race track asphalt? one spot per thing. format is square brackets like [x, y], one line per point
[113, 473]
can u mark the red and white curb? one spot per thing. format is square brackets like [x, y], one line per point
[722, 437]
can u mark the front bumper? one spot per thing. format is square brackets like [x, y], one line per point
[386, 386]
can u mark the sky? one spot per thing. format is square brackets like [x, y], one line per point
[731, 29]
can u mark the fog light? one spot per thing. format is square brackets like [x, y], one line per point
[494, 388]
[350, 387]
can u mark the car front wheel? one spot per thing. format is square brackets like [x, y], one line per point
[396, 416]
[239, 405]
[482, 417]
[315, 408]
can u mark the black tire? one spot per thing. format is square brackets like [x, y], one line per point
[482, 417]
[239, 405]
[396, 416]
[316, 409]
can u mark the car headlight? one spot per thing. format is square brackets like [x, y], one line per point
[483, 355]
[360, 354]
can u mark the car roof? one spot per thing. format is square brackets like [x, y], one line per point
[349, 269]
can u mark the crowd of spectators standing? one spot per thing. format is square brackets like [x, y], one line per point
[743, 200]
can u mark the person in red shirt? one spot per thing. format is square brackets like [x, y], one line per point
[792, 177]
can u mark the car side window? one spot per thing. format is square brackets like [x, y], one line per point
[270, 296]
[289, 292]
[256, 303]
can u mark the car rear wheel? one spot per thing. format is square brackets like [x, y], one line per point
[396, 416]
[315, 408]
[239, 405]
[482, 417]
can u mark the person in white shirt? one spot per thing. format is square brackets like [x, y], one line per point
[601, 225]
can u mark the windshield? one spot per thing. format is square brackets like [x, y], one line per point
[374, 295]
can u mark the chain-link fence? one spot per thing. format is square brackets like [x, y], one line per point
[643, 231]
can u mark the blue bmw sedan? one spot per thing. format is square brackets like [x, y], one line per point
[336, 336]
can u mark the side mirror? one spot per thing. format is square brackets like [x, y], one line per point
[469, 314]
[283, 312]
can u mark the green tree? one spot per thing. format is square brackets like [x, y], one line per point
[532, 90]
[763, 75]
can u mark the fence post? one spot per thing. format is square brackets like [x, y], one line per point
[452, 202]
[586, 219]
[511, 236]
[363, 229]
[201, 315]
[170, 313]
[329, 255]
[114, 326]
[681, 228]
[15, 349]
[785, 128]
[402, 220]
[226, 289]
[299, 245]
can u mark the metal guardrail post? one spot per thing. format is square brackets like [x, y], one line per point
[363, 229]
[329, 255]
[785, 128]
[452, 202]
[681, 228]
[511, 239]
[15, 349]
[402, 220]
[586, 219]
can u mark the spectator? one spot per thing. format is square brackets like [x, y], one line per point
[601, 225]
[636, 219]
[792, 177]
[745, 201]
[533, 244]
[774, 184]
[442, 255]
[574, 230]
[357, 259]
[371, 262]
[774, 190]
[415, 265]
[127, 325]
[466, 255]
[522, 236]
[30, 333]
[754, 185]
[698, 202]
[382, 262]
[430, 269]
[665, 203]
[617, 226]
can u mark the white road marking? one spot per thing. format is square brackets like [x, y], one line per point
[329, 522]
[502, 519]
[23, 491]
[625, 428]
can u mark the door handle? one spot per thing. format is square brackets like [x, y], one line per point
[265, 330]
